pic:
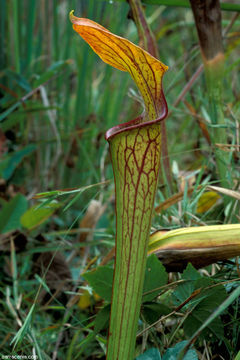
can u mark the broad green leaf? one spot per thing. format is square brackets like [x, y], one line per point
[185, 289]
[12, 161]
[202, 300]
[153, 311]
[208, 301]
[36, 215]
[190, 273]
[215, 314]
[102, 319]
[238, 356]
[101, 280]
[155, 277]
[11, 213]
[206, 201]
[172, 353]
[151, 354]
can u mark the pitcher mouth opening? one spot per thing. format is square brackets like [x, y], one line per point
[138, 122]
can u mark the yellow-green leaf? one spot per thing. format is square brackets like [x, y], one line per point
[36, 215]
[206, 201]
[201, 245]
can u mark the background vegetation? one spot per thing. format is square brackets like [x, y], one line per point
[57, 101]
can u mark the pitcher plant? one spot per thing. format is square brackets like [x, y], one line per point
[135, 149]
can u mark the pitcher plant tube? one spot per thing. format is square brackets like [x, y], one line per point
[135, 149]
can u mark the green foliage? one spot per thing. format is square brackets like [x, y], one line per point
[172, 353]
[101, 281]
[152, 311]
[155, 277]
[202, 305]
[200, 295]
[52, 71]
[11, 213]
[185, 290]
[151, 354]
[36, 215]
[24, 328]
[102, 319]
[238, 356]
[10, 162]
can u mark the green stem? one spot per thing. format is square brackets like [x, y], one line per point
[3, 41]
[30, 31]
[16, 35]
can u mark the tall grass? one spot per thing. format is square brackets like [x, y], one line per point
[38, 37]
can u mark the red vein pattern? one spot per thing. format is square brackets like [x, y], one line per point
[122, 54]
[135, 149]
[136, 157]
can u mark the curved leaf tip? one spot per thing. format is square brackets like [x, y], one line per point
[146, 71]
